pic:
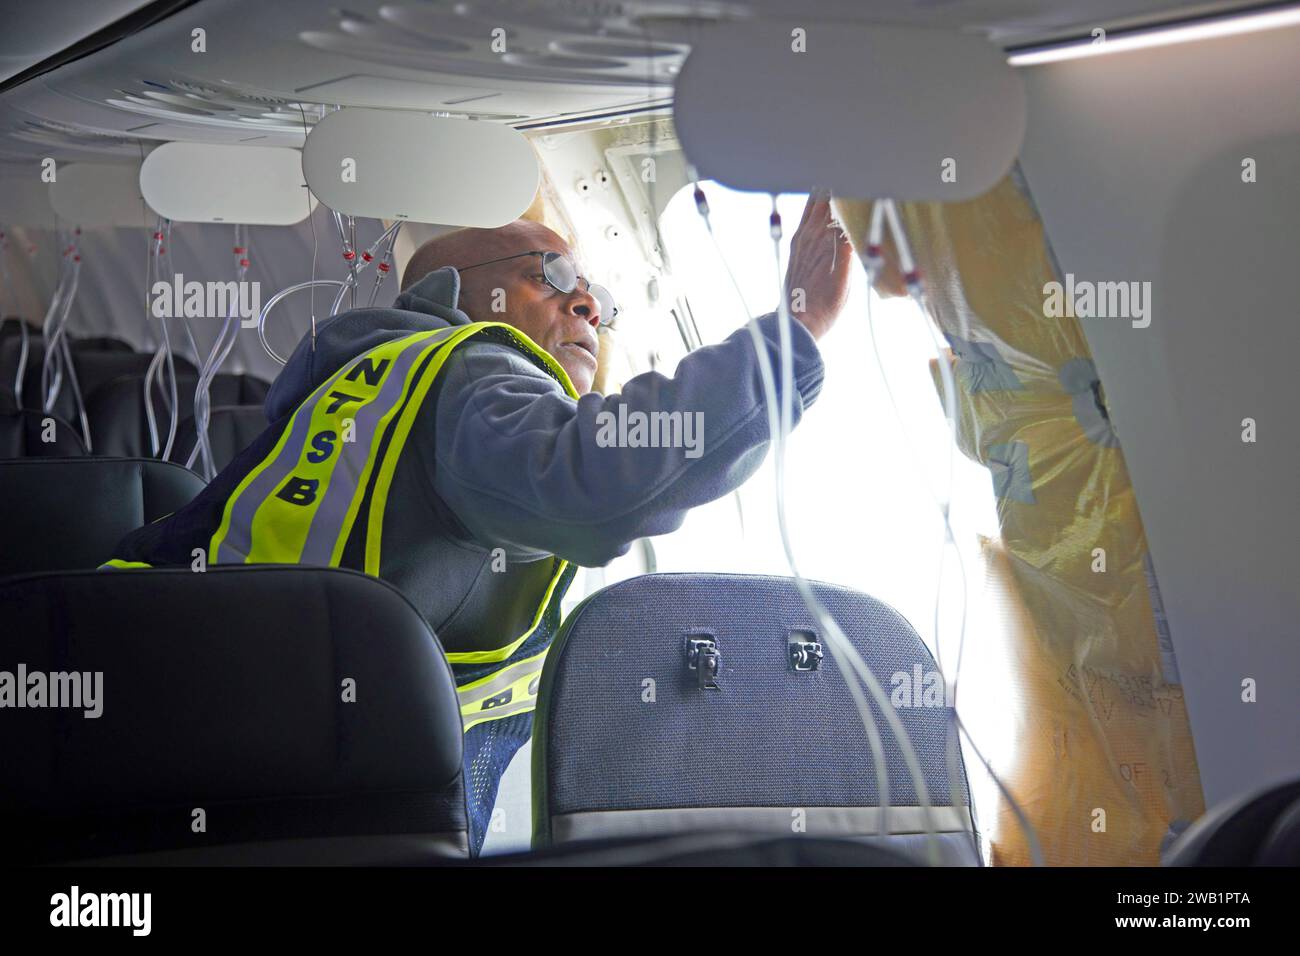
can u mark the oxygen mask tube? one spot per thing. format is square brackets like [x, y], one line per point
[846, 656]
[24, 335]
[166, 261]
[58, 353]
[216, 357]
[151, 418]
[383, 266]
[163, 367]
[50, 325]
[884, 211]
[52, 329]
[367, 258]
[385, 263]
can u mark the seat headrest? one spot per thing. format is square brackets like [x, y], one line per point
[100, 343]
[231, 429]
[95, 367]
[285, 702]
[778, 732]
[70, 513]
[119, 424]
[238, 389]
[32, 434]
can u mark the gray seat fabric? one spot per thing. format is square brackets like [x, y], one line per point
[64, 514]
[308, 714]
[231, 429]
[9, 325]
[627, 743]
[711, 849]
[1281, 846]
[238, 389]
[11, 343]
[96, 366]
[100, 343]
[23, 434]
[1257, 828]
[119, 425]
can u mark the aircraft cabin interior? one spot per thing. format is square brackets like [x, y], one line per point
[465, 433]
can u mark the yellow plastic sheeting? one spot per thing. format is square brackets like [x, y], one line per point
[1104, 727]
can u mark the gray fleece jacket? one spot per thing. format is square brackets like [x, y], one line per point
[501, 457]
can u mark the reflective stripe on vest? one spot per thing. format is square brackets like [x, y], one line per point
[299, 505]
[511, 690]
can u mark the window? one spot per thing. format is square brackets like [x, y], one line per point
[859, 499]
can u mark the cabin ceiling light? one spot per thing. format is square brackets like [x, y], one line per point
[1203, 28]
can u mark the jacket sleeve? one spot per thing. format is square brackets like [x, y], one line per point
[525, 467]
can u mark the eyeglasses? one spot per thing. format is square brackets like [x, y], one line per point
[562, 275]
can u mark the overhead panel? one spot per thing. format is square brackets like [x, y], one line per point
[25, 199]
[391, 164]
[863, 110]
[206, 182]
[94, 195]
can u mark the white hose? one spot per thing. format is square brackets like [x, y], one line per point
[150, 415]
[846, 656]
[23, 334]
[275, 299]
[22, 362]
[162, 368]
[58, 354]
[345, 285]
[221, 348]
[885, 211]
[49, 336]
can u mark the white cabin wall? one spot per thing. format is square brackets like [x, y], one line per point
[1134, 160]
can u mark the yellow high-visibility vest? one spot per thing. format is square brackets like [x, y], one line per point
[325, 484]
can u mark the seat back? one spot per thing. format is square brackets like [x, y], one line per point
[1254, 828]
[70, 513]
[96, 366]
[242, 715]
[119, 425]
[12, 336]
[231, 429]
[1281, 846]
[32, 434]
[100, 343]
[231, 388]
[626, 741]
[10, 325]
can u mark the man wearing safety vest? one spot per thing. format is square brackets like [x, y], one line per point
[451, 448]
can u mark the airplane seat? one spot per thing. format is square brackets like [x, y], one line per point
[119, 425]
[100, 343]
[95, 367]
[11, 344]
[627, 740]
[231, 429]
[1281, 847]
[246, 715]
[27, 433]
[238, 389]
[65, 514]
[712, 849]
[1259, 828]
[12, 325]
[9, 325]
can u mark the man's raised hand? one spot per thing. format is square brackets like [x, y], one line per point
[817, 279]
